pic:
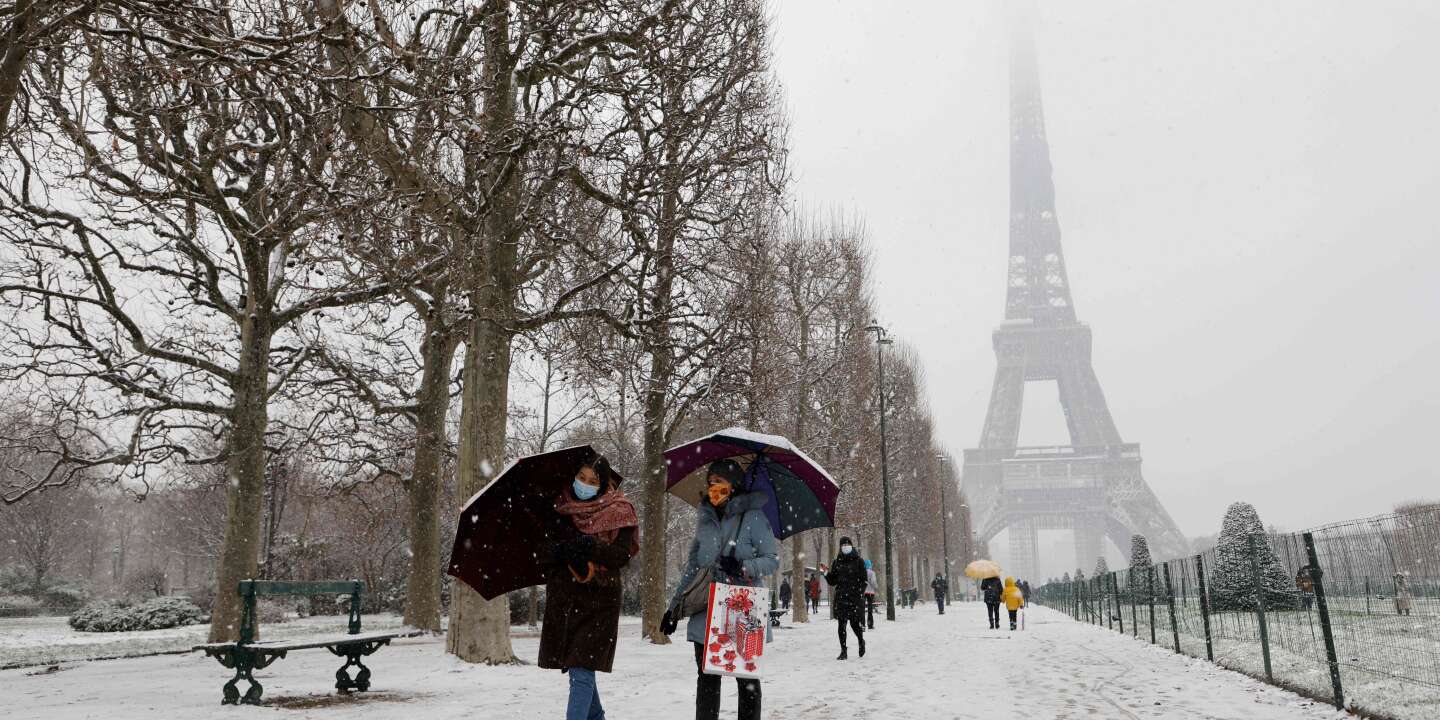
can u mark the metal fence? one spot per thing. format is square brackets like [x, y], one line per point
[1348, 613]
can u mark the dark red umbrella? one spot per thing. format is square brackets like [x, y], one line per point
[503, 528]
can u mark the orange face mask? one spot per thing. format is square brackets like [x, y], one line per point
[718, 493]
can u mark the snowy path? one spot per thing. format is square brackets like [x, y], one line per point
[923, 666]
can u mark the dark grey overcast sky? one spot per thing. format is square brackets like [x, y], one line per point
[1248, 198]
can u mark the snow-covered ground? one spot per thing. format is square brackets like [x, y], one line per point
[48, 640]
[923, 666]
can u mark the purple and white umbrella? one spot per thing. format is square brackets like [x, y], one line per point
[802, 494]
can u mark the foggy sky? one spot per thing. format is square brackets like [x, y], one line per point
[1247, 195]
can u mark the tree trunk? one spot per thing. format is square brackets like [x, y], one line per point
[652, 552]
[245, 475]
[480, 629]
[799, 611]
[422, 586]
[802, 421]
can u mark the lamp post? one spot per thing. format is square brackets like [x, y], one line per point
[945, 521]
[880, 342]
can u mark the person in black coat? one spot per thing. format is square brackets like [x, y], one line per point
[785, 594]
[991, 588]
[941, 589]
[847, 576]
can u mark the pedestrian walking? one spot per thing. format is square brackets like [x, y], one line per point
[1014, 600]
[1403, 599]
[814, 593]
[597, 534]
[785, 594]
[734, 539]
[991, 589]
[942, 589]
[871, 589]
[847, 576]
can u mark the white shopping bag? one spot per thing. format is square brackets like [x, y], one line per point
[735, 630]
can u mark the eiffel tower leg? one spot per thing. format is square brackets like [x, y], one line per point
[1024, 550]
[1086, 414]
[1089, 543]
[1007, 397]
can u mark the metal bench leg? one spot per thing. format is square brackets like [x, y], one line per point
[361, 681]
[244, 670]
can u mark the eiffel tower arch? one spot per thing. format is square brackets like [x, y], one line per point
[1093, 486]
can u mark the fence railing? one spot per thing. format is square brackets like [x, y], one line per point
[1348, 613]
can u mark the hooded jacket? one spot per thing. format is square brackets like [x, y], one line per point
[1014, 599]
[754, 546]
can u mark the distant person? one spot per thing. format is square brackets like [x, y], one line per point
[847, 576]
[871, 588]
[1025, 590]
[1014, 600]
[785, 594]
[1403, 599]
[990, 591]
[813, 592]
[1305, 583]
[941, 589]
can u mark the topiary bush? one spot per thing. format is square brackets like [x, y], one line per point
[120, 616]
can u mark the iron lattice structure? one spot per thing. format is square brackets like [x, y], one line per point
[1093, 486]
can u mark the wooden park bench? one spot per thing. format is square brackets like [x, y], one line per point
[247, 656]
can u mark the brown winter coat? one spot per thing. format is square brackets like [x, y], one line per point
[582, 620]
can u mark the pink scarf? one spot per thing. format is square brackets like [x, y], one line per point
[604, 517]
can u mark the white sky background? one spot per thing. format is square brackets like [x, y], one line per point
[1247, 196]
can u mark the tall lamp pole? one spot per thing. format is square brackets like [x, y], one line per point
[880, 342]
[945, 521]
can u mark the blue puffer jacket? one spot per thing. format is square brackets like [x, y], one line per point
[755, 548]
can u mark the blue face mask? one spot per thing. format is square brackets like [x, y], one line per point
[585, 492]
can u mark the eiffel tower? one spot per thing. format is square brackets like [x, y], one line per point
[1092, 486]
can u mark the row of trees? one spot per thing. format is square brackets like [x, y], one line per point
[258, 240]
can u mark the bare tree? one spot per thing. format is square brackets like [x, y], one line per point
[203, 159]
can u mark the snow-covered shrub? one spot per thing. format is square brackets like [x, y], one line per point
[1102, 568]
[121, 616]
[1140, 552]
[17, 602]
[103, 616]
[166, 612]
[1232, 583]
[64, 595]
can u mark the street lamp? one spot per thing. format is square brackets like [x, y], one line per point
[945, 521]
[880, 341]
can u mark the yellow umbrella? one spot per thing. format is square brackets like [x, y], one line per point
[981, 569]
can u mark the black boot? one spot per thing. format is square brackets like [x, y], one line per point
[844, 653]
[862, 647]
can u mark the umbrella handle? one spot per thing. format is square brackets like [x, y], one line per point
[589, 575]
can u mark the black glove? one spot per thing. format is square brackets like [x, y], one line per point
[668, 623]
[730, 566]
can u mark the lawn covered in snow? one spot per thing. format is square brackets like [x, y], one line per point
[922, 666]
[48, 640]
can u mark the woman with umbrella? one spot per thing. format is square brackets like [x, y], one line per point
[991, 589]
[733, 535]
[596, 535]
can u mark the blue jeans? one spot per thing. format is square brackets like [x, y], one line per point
[584, 696]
